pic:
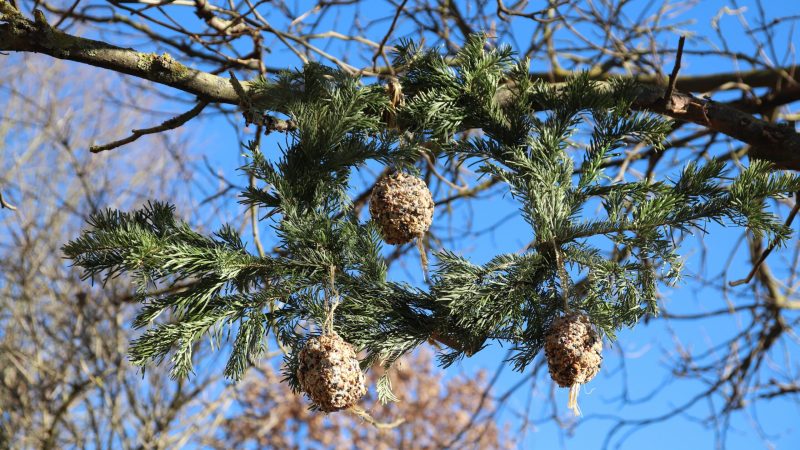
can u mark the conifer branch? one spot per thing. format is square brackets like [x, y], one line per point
[771, 247]
[512, 298]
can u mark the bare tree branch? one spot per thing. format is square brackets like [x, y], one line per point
[779, 144]
[19, 34]
[169, 124]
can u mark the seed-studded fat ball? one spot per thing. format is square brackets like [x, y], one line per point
[402, 206]
[329, 373]
[573, 349]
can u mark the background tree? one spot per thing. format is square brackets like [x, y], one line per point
[65, 381]
[748, 92]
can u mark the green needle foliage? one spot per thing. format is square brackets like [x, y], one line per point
[212, 286]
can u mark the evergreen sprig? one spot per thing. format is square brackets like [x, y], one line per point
[529, 133]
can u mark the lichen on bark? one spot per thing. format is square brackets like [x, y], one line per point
[164, 65]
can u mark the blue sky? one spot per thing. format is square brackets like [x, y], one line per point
[645, 346]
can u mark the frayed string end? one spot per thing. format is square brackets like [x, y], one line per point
[423, 257]
[573, 399]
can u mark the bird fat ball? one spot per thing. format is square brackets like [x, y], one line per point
[329, 373]
[402, 206]
[573, 349]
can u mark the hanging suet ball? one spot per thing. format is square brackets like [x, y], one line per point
[402, 206]
[329, 373]
[573, 349]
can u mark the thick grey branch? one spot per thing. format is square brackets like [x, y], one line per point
[19, 34]
[775, 143]
[769, 78]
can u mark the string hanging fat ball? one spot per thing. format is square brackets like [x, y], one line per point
[402, 206]
[329, 373]
[573, 348]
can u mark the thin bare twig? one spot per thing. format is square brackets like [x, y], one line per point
[371, 420]
[170, 124]
[5, 204]
[379, 51]
[673, 77]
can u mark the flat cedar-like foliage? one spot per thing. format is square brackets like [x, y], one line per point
[525, 140]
